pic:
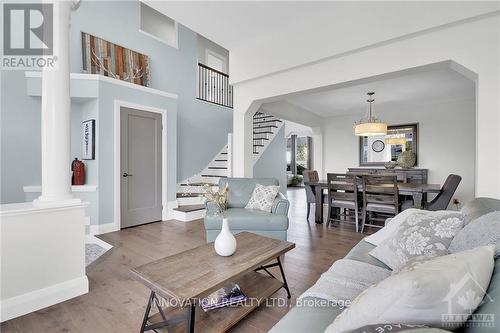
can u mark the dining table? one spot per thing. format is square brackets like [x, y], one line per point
[416, 191]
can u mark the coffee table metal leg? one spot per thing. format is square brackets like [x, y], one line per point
[146, 314]
[190, 318]
[285, 284]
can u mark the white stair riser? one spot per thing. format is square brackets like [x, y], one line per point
[194, 189]
[200, 179]
[186, 201]
[218, 172]
[219, 164]
[187, 217]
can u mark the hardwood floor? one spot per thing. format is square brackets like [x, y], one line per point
[116, 303]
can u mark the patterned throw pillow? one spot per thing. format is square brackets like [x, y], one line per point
[422, 234]
[263, 197]
[484, 230]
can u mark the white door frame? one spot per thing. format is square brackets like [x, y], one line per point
[117, 180]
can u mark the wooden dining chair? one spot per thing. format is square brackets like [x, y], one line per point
[343, 198]
[442, 200]
[380, 199]
[310, 176]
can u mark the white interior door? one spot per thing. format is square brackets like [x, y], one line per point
[140, 164]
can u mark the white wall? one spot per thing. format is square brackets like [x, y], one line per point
[471, 47]
[446, 142]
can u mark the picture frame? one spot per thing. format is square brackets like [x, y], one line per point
[408, 131]
[88, 139]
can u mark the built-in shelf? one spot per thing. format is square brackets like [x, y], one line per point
[87, 85]
[74, 188]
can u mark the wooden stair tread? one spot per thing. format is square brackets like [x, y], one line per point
[267, 126]
[260, 139]
[267, 121]
[255, 285]
[217, 167]
[199, 184]
[189, 208]
[220, 160]
[188, 195]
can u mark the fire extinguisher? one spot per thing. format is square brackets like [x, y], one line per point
[78, 169]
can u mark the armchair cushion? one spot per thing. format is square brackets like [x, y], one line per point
[241, 189]
[248, 219]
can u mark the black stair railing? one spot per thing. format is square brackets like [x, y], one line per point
[214, 87]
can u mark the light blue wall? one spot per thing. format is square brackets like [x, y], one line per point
[20, 138]
[272, 163]
[197, 130]
[201, 127]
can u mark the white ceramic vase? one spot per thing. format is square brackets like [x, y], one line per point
[225, 243]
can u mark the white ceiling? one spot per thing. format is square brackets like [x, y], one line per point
[418, 88]
[267, 36]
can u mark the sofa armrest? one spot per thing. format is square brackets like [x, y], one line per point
[280, 205]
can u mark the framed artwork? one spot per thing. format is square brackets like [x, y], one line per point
[102, 57]
[88, 140]
[381, 149]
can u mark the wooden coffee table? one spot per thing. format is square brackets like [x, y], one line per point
[186, 277]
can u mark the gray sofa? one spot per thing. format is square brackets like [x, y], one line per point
[314, 319]
[273, 224]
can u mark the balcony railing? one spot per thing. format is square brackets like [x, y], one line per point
[214, 87]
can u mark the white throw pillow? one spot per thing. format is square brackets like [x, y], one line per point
[390, 228]
[427, 292]
[422, 234]
[263, 197]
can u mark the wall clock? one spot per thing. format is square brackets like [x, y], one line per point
[378, 146]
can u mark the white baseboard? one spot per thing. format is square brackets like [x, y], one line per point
[98, 229]
[170, 209]
[38, 299]
[89, 239]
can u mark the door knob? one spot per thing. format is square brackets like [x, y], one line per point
[126, 174]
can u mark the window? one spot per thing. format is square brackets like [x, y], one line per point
[158, 26]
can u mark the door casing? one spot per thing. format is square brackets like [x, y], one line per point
[118, 105]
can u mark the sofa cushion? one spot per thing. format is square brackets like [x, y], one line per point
[430, 292]
[263, 197]
[486, 318]
[478, 207]
[241, 189]
[484, 230]
[248, 219]
[360, 252]
[311, 315]
[422, 234]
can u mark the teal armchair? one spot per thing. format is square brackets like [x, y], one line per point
[273, 224]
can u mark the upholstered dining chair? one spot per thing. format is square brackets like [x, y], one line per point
[310, 176]
[380, 196]
[442, 200]
[342, 198]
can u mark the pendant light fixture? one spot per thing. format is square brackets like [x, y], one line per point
[370, 126]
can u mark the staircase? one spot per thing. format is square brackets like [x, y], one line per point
[190, 191]
[265, 128]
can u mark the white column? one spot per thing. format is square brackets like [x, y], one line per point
[56, 108]
[318, 163]
[243, 111]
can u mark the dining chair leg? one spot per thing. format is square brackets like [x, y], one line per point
[308, 209]
[363, 221]
[356, 218]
